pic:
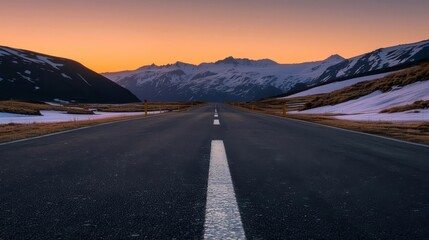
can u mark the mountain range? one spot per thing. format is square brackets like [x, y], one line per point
[31, 76]
[27, 75]
[234, 79]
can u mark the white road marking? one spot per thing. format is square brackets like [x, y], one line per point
[223, 220]
[216, 122]
[216, 115]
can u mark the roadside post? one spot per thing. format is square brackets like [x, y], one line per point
[145, 107]
[284, 109]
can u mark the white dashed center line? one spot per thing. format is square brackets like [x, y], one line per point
[223, 220]
[216, 122]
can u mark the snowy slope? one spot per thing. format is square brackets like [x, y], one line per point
[377, 101]
[330, 87]
[234, 79]
[378, 59]
[368, 107]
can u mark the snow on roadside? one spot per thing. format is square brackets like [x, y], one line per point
[59, 116]
[419, 115]
[377, 101]
[368, 107]
[336, 85]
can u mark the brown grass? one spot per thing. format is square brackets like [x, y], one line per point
[416, 105]
[402, 78]
[30, 108]
[26, 107]
[411, 131]
[12, 131]
[139, 107]
[276, 105]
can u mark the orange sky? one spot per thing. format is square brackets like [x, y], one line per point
[113, 35]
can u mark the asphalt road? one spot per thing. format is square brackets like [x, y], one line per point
[148, 179]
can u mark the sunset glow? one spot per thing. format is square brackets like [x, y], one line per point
[108, 35]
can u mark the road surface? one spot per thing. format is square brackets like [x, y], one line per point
[191, 175]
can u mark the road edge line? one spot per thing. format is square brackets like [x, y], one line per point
[75, 129]
[342, 129]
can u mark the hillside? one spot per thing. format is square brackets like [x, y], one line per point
[396, 85]
[26, 75]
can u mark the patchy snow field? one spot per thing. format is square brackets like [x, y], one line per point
[418, 115]
[58, 116]
[336, 85]
[368, 107]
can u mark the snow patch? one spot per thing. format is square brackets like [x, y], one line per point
[4, 53]
[59, 116]
[378, 101]
[408, 116]
[25, 77]
[66, 76]
[84, 79]
[61, 101]
[369, 107]
[46, 60]
[336, 85]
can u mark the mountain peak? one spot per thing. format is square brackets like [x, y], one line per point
[334, 58]
[183, 64]
[228, 60]
[246, 62]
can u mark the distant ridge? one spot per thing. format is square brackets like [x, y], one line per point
[241, 79]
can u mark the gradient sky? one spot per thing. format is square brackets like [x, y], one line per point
[112, 35]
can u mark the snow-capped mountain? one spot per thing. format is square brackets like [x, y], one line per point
[227, 79]
[233, 79]
[26, 75]
[382, 58]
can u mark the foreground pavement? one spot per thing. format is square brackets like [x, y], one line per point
[187, 176]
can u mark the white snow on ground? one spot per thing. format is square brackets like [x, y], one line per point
[66, 76]
[4, 53]
[59, 116]
[336, 85]
[25, 77]
[408, 116]
[37, 59]
[84, 79]
[46, 60]
[369, 106]
[61, 101]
